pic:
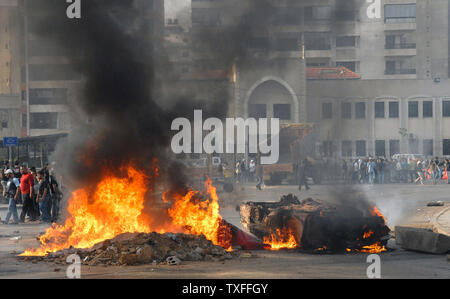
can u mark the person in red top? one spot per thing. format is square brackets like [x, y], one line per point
[26, 186]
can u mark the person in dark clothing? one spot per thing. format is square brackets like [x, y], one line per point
[43, 196]
[54, 195]
[259, 176]
[36, 211]
[448, 170]
[302, 170]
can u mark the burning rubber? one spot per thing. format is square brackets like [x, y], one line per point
[316, 226]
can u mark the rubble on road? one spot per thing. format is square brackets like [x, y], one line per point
[139, 249]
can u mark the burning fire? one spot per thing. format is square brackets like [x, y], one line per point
[282, 239]
[116, 207]
[376, 247]
[198, 216]
[376, 212]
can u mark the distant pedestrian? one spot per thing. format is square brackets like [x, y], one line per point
[54, 193]
[43, 197]
[4, 177]
[259, 176]
[447, 167]
[26, 187]
[303, 180]
[12, 194]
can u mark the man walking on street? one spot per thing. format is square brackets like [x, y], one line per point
[12, 193]
[303, 180]
[26, 186]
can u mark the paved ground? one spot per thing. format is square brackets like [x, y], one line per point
[399, 203]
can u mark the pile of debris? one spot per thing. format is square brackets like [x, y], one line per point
[139, 249]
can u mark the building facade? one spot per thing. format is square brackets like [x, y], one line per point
[399, 49]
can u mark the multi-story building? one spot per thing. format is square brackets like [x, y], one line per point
[177, 42]
[400, 50]
[38, 83]
[10, 88]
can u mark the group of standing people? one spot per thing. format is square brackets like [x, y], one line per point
[38, 192]
[244, 172]
[380, 170]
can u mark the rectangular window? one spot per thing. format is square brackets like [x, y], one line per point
[345, 41]
[347, 148]
[428, 147]
[327, 110]
[346, 110]
[44, 120]
[361, 148]
[260, 43]
[287, 16]
[317, 41]
[390, 67]
[327, 148]
[48, 96]
[351, 65]
[379, 109]
[257, 111]
[380, 148]
[446, 108]
[393, 110]
[345, 15]
[390, 42]
[446, 147]
[413, 109]
[394, 147]
[360, 110]
[206, 16]
[427, 109]
[45, 48]
[282, 111]
[287, 44]
[52, 72]
[316, 13]
[400, 13]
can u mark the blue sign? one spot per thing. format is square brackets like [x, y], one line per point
[10, 141]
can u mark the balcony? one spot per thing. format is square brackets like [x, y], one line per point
[401, 46]
[400, 72]
[411, 26]
[403, 49]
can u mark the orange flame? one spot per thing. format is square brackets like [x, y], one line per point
[376, 212]
[116, 207]
[282, 239]
[367, 234]
[199, 216]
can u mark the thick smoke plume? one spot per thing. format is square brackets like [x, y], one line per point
[123, 69]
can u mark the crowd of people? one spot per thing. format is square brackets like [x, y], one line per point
[37, 191]
[380, 171]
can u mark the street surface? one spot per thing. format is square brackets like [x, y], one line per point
[399, 203]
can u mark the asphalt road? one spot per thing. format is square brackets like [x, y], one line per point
[399, 204]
